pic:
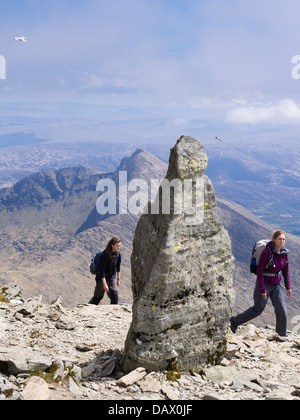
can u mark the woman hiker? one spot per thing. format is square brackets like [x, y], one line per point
[108, 273]
[268, 286]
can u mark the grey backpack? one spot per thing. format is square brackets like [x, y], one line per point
[257, 250]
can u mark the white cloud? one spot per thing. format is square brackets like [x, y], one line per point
[285, 111]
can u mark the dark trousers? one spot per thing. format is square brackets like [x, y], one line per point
[99, 291]
[274, 292]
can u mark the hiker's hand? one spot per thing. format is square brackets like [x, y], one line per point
[264, 295]
[289, 293]
[105, 287]
[118, 283]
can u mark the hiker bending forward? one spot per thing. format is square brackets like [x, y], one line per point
[108, 273]
[268, 285]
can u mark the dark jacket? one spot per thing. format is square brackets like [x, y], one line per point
[280, 264]
[107, 267]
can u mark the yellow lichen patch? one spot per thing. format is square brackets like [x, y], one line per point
[178, 247]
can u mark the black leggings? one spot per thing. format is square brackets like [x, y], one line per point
[99, 291]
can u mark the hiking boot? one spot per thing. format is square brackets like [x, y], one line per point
[233, 327]
[278, 338]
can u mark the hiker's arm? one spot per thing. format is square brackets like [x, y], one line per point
[101, 269]
[286, 276]
[105, 287]
[118, 269]
[263, 262]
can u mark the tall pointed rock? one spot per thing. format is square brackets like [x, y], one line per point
[182, 269]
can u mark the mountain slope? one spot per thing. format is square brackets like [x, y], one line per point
[263, 177]
[50, 230]
[42, 212]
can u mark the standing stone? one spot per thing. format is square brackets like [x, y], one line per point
[182, 269]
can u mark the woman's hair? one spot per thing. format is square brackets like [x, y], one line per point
[277, 233]
[108, 248]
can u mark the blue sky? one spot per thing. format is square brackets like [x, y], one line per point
[211, 59]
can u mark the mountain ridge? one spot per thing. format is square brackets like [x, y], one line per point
[56, 185]
[261, 175]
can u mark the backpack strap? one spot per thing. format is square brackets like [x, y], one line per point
[271, 260]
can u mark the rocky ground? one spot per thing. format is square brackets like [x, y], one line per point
[57, 353]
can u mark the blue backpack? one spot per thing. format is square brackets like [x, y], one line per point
[95, 263]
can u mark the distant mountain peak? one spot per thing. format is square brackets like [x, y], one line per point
[142, 164]
[138, 151]
[37, 188]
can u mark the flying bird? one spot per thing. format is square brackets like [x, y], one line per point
[218, 138]
[20, 38]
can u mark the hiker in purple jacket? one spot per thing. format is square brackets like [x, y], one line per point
[268, 285]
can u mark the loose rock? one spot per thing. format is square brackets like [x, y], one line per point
[132, 377]
[76, 375]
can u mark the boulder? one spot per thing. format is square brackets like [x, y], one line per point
[35, 390]
[20, 360]
[11, 292]
[182, 268]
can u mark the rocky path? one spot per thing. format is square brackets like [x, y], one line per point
[57, 353]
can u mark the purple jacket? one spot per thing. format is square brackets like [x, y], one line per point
[280, 263]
